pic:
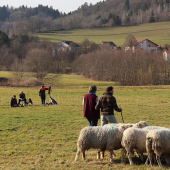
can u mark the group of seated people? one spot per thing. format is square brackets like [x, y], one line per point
[21, 98]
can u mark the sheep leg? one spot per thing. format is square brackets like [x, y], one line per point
[84, 157]
[137, 154]
[159, 161]
[141, 157]
[111, 159]
[150, 156]
[154, 158]
[147, 160]
[77, 155]
[130, 159]
[98, 154]
[123, 154]
[102, 154]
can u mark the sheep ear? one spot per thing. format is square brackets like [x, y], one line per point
[122, 127]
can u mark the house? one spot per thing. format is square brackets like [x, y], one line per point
[108, 45]
[143, 44]
[68, 46]
[166, 55]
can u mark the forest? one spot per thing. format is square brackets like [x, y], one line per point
[109, 13]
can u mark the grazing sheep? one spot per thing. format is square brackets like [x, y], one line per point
[101, 138]
[158, 142]
[134, 139]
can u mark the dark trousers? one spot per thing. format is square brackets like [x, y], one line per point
[93, 122]
[22, 100]
[43, 99]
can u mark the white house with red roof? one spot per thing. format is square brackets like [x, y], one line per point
[144, 44]
[166, 55]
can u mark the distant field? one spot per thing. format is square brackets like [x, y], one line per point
[158, 32]
[45, 137]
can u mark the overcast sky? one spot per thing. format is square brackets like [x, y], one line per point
[62, 5]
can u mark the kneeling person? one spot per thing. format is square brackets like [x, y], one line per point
[14, 102]
[22, 97]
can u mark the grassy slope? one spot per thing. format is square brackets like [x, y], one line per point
[44, 137]
[156, 32]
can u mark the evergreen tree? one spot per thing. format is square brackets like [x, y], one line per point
[4, 39]
[3, 13]
[152, 18]
[126, 6]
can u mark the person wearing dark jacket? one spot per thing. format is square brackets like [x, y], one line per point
[108, 104]
[14, 102]
[89, 103]
[22, 97]
[42, 94]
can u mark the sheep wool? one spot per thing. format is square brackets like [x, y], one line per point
[155, 127]
[100, 137]
[134, 139]
[140, 124]
[157, 141]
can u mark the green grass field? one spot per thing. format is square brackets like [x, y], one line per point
[44, 137]
[157, 32]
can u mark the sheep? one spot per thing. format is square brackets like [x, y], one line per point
[140, 124]
[134, 139]
[157, 141]
[101, 138]
[155, 127]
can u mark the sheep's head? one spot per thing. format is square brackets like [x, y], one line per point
[124, 127]
[141, 124]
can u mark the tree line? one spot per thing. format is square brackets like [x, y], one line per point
[107, 13]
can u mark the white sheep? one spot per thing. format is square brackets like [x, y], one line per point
[101, 138]
[140, 124]
[134, 139]
[158, 142]
[155, 127]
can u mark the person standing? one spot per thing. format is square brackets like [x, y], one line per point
[22, 97]
[108, 104]
[42, 94]
[89, 103]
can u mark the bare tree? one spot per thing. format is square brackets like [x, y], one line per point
[39, 62]
[18, 69]
[22, 27]
[48, 23]
[37, 22]
[129, 40]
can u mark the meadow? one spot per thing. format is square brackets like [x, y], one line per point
[157, 32]
[45, 137]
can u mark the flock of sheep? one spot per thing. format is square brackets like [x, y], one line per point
[140, 138]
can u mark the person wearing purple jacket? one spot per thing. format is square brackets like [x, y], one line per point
[89, 103]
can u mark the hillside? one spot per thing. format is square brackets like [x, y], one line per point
[108, 13]
[157, 32]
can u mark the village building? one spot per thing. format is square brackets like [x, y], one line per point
[166, 55]
[68, 46]
[143, 44]
[108, 45]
